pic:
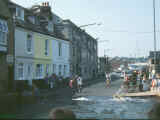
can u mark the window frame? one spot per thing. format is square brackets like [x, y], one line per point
[60, 70]
[19, 67]
[46, 47]
[60, 49]
[40, 70]
[19, 13]
[54, 68]
[31, 43]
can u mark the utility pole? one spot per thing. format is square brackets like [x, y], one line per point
[154, 22]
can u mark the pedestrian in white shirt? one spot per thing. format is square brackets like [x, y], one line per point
[79, 83]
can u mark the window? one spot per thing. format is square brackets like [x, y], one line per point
[60, 49]
[50, 26]
[39, 71]
[31, 19]
[65, 69]
[20, 75]
[47, 68]
[60, 67]
[3, 38]
[3, 32]
[29, 43]
[29, 70]
[46, 47]
[73, 51]
[20, 13]
[54, 68]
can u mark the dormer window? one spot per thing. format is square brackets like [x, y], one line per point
[19, 13]
[31, 19]
[50, 26]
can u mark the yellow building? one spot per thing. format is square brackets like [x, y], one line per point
[42, 56]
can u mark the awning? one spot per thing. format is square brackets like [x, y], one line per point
[3, 26]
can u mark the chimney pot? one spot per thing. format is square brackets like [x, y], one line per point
[47, 3]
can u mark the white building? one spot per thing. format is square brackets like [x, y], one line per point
[60, 60]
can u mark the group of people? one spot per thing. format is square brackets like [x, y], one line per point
[143, 81]
[76, 84]
[136, 79]
[54, 80]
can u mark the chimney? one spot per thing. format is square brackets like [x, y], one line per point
[47, 3]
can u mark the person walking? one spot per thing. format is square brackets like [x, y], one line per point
[79, 83]
[72, 85]
[46, 79]
[107, 80]
[52, 80]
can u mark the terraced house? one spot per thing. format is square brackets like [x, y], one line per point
[36, 46]
[43, 55]
[61, 57]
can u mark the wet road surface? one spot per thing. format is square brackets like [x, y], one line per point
[97, 102]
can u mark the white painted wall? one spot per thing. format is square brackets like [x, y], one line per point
[61, 60]
[21, 54]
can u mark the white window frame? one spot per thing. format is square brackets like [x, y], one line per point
[31, 42]
[65, 68]
[50, 26]
[47, 68]
[3, 38]
[60, 70]
[31, 19]
[19, 13]
[3, 32]
[46, 47]
[54, 68]
[29, 75]
[39, 71]
[20, 66]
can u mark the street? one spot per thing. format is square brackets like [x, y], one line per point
[96, 101]
[100, 89]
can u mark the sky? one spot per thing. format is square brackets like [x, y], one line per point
[126, 25]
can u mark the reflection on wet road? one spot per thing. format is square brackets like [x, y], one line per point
[108, 107]
[101, 107]
[97, 102]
